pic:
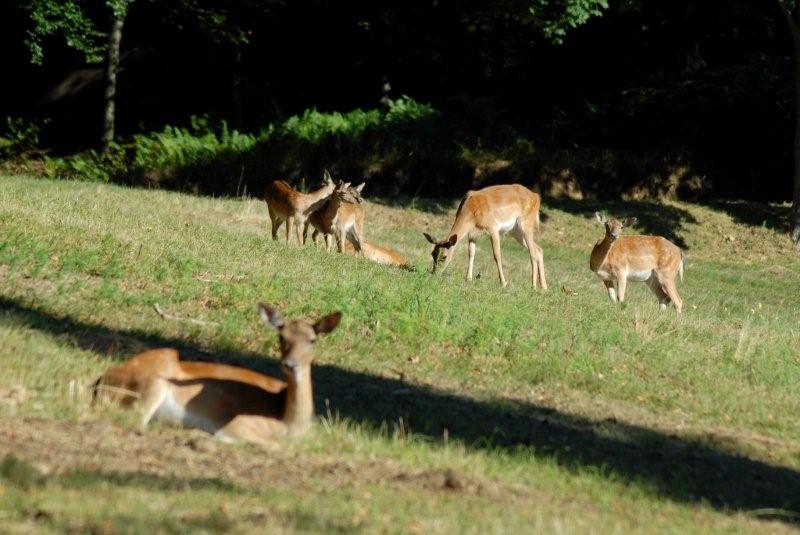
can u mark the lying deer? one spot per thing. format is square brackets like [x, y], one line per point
[289, 205]
[233, 404]
[381, 255]
[494, 210]
[341, 216]
[651, 259]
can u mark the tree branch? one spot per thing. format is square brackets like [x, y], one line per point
[166, 316]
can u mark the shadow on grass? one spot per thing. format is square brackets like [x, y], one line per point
[653, 217]
[756, 214]
[700, 470]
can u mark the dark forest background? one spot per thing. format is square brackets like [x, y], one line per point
[665, 98]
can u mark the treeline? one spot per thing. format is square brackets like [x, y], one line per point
[637, 99]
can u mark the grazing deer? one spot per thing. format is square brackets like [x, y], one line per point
[229, 402]
[651, 259]
[494, 210]
[341, 217]
[381, 255]
[287, 204]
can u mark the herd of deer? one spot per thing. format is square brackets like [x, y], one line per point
[239, 404]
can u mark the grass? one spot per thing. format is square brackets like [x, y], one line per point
[444, 406]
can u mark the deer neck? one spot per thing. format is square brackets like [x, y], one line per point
[462, 227]
[319, 206]
[318, 195]
[299, 409]
[600, 252]
[332, 208]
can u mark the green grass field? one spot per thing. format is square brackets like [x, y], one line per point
[443, 406]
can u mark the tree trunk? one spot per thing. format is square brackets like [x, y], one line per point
[112, 66]
[792, 15]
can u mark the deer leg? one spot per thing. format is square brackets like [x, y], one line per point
[152, 397]
[300, 225]
[540, 260]
[661, 295]
[519, 234]
[622, 282]
[289, 228]
[668, 284]
[340, 237]
[612, 293]
[328, 242]
[276, 224]
[355, 238]
[471, 249]
[537, 258]
[498, 257]
[358, 233]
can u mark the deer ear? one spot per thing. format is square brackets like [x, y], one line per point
[601, 218]
[629, 222]
[360, 187]
[346, 185]
[270, 316]
[452, 241]
[326, 176]
[430, 238]
[328, 323]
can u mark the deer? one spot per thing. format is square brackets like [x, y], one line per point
[319, 219]
[617, 259]
[233, 404]
[381, 255]
[494, 210]
[287, 204]
[342, 217]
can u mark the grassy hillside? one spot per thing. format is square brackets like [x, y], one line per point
[443, 406]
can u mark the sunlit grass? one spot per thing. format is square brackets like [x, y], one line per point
[425, 374]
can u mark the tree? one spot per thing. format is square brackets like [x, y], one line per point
[73, 22]
[556, 18]
[791, 12]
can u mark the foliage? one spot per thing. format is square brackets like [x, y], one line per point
[20, 136]
[70, 21]
[557, 18]
[201, 146]
[91, 165]
[175, 147]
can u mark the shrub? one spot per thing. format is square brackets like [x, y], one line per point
[20, 135]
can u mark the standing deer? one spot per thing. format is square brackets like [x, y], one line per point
[494, 210]
[233, 404]
[342, 217]
[322, 221]
[651, 259]
[287, 204]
